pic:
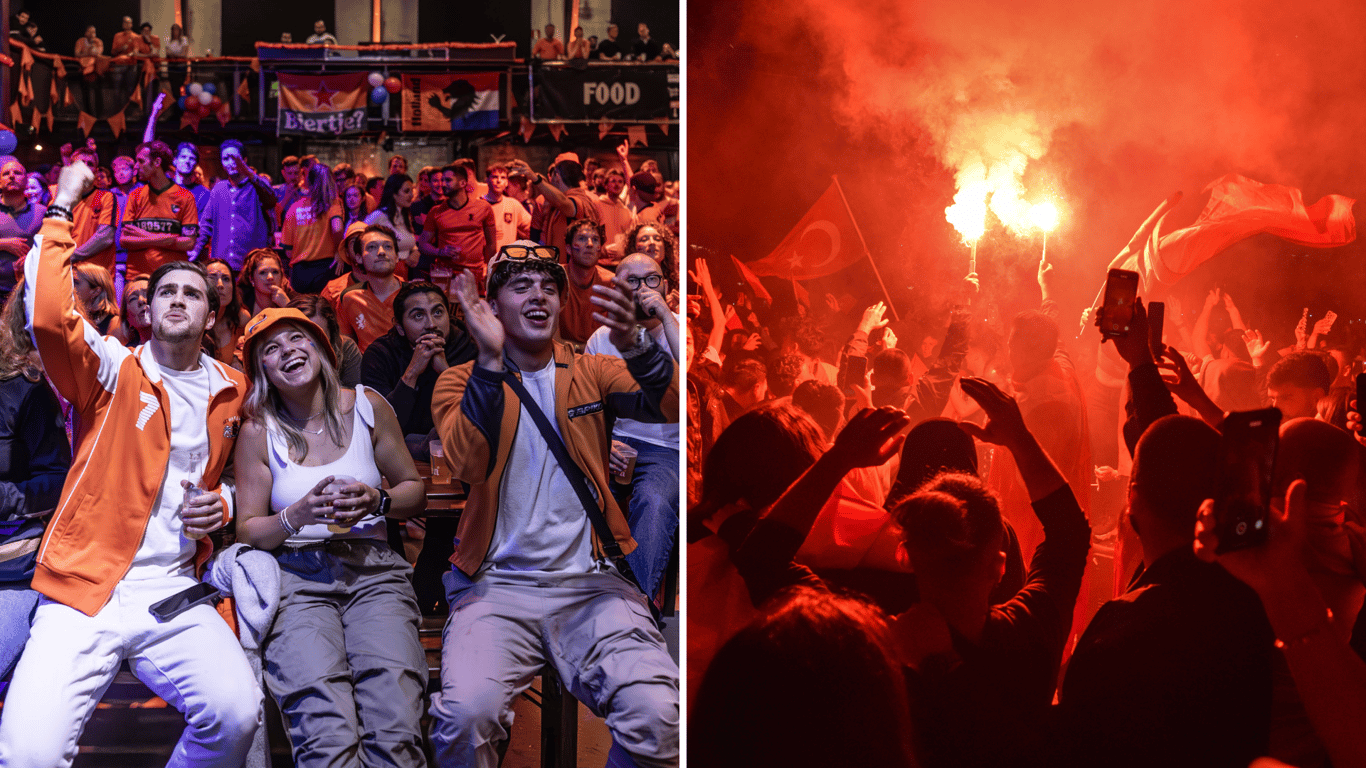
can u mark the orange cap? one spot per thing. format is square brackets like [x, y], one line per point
[268, 317]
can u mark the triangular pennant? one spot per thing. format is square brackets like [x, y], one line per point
[604, 128]
[224, 114]
[663, 125]
[255, 65]
[48, 116]
[86, 122]
[16, 115]
[557, 131]
[25, 87]
[66, 98]
[528, 128]
[243, 91]
[636, 135]
[117, 123]
[58, 69]
[136, 98]
[512, 99]
[190, 120]
[37, 119]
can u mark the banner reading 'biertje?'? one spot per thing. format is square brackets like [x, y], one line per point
[323, 105]
[446, 102]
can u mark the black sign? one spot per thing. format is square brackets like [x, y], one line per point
[620, 93]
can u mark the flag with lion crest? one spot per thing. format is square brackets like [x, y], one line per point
[446, 102]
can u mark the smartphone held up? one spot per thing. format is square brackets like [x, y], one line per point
[1246, 460]
[1117, 309]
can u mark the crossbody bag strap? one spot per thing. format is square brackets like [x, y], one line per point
[579, 481]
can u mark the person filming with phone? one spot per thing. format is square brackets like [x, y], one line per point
[1178, 669]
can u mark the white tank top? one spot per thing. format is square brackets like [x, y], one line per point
[291, 482]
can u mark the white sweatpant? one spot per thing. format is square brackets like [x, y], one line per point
[193, 662]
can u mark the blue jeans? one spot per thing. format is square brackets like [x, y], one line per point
[653, 511]
[16, 614]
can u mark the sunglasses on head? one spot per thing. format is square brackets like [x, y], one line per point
[523, 252]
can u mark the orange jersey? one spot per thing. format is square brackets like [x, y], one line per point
[576, 311]
[169, 212]
[469, 228]
[364, 317]
[311, 237]
[555, 224]
[92, 212]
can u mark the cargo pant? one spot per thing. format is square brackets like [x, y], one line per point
[343, 659]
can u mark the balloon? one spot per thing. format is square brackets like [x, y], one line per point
[393, 85]
[210, 87]
[376, 79]
[205, 97]
[183, 101]
[215, 104]
[196, 89]
[8, 142]
[379, 95]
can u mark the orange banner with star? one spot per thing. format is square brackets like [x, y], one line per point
[323, 105]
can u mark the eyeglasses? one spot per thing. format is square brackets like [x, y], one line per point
[523, 252]
[652, 281]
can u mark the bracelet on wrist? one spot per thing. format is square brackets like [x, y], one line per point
[284, 522]
[55, 211]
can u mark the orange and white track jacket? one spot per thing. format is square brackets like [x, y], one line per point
[122, 453]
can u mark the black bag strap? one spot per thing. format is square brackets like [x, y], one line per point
[579, 481]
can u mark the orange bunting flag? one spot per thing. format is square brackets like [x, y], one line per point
[86, 122]
[25, 87]
[825, 241]
[243, 91]
[190, 120]
[636, 135]
[255, 65]
[16, 116]
[117, 123]
[528, 128]
[224, 114]
[557, 131]
[604, 128]
[663, 125]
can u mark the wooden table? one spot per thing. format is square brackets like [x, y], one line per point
[443, 499]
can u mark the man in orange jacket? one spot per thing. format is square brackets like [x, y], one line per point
[531, 582]
[158, 425]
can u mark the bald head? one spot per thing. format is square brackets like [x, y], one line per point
[642, 270]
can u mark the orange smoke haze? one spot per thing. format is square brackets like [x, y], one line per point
[1103, 109]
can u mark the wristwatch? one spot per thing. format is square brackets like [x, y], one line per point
[384, 503]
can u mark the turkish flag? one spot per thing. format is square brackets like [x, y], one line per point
[825, 241]
[1238, 208]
